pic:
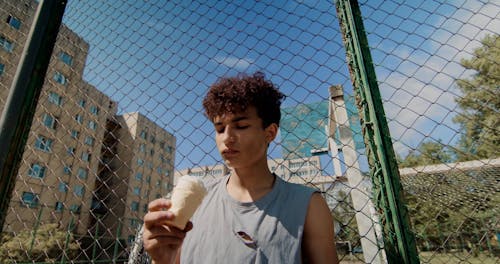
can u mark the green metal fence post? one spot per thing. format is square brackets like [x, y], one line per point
[20, 105]
[399, 242]
[35, 230]
[117, 242]
[66, 242]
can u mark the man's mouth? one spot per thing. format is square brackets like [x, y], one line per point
[229, 152]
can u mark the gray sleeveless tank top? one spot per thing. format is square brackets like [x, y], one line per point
[265, 231]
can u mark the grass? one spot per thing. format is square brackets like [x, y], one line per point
[457, 257]
[436, 258]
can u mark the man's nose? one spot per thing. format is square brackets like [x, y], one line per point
[229, 136]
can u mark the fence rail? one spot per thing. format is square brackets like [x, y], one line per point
[392, 112]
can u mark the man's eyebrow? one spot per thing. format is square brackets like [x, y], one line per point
[234, 120]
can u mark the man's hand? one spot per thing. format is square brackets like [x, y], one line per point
[162, 242]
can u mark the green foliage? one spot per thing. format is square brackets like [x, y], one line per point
[344, 214]
[453, 210]
[427, 153]
[48, 245]
[480, 103]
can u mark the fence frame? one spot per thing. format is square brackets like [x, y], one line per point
[399, 241]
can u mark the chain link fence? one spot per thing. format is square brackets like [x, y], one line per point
[119, 118]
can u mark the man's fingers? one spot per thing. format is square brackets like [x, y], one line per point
[159, 205]
[157, 218]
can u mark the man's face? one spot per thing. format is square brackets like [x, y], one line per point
[241, 139]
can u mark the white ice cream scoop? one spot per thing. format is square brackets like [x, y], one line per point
[186, 197]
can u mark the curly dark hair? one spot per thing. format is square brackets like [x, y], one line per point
[235, 94]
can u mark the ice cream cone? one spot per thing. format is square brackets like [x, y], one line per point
[186, 197]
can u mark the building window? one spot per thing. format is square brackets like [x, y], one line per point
[150, 165]
[67, 170]
[89, 140]
[148, 179]
[55, 99]
[92, 125]
[138, 176]
[152, 139]
[59, 207]
[63, 187]
[75, 134]
[134, 206]
[14, 22]
[76, 209]
[71, 151]
[60, 78]
[43, 143]
[137, 191]
[82, 173]
[169, 149]
[94, 110]
[159, 170]
[145, 208]
[2, 68]
[86, 156]
[66, 58]
[144, 134]
[30, 199]
[49, 121]
[142, 147]
[6, 44]
[140, 162]
[82, 103]
[79, 118]
[37, 171]
[79, 190]
[151, 152]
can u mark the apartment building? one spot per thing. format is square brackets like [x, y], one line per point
[84, 166]
[146, 153]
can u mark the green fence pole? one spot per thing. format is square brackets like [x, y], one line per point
[399, 242]
[20, 105]
[66, 242]
[117, 242]
[35, 229]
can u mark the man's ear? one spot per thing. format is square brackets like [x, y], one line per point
[271, 132]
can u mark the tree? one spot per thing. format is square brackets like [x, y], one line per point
[480, 103]
[427, 153]
[48, 245]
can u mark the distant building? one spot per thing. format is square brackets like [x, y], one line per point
[303, 171]
[303, 128]
[82, 164]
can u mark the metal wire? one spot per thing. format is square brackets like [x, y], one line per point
[120, 118]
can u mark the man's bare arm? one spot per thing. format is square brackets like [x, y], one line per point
[318, 243]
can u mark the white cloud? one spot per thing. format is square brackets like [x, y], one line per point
[420, 94]
[233, 62]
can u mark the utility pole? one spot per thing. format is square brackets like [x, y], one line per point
[366, 217]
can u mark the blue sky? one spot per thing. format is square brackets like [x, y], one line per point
[159, 57]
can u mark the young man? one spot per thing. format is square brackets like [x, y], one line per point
[251, 215]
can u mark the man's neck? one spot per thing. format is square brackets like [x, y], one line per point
[250, 184]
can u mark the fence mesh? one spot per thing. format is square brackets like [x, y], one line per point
[120, 118]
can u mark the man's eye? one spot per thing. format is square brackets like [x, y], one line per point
[242, 127]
